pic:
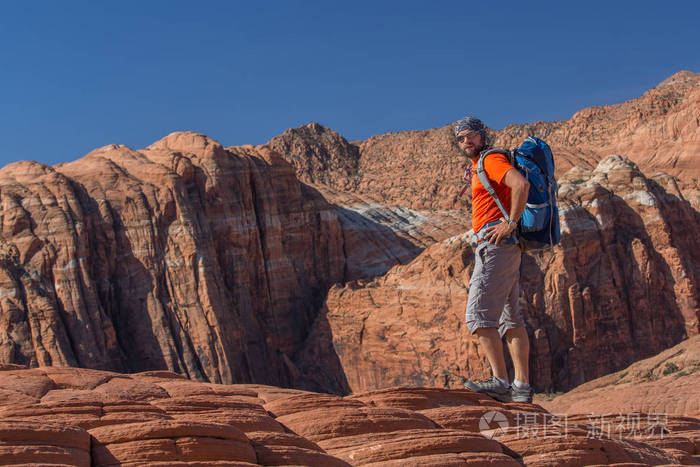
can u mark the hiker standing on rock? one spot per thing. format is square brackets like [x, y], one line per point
[494, 288]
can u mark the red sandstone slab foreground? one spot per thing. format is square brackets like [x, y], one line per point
[67, 416]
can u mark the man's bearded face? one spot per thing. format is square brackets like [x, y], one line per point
[470, 142]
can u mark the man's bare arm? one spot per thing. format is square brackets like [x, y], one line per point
[519, 188]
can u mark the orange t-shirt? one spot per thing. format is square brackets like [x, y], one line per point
[484, 208]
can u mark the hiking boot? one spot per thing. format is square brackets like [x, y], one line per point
[521, 395]
[491, 387]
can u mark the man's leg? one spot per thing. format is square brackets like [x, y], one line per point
[496, 387]
[490, 342]
[519, 348]
[495, 271]
[512, 326]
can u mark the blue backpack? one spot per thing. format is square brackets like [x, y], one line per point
[539, 225]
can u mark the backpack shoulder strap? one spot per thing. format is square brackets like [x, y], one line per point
[483, 178]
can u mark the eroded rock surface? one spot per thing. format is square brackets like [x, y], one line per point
[87, 417]
[665, 383]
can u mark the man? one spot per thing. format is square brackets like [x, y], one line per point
[494, 289]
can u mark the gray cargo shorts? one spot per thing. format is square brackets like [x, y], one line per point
[494, 288]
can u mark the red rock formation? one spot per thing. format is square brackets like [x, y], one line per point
[659, 131]
[626, 284]
[214, 262]
[26, 442]
[666, 383]
[319, 156]
[656, 395]
[185, 256]
[88, 417]
[621, 286]
[416, 169]
[380, 229]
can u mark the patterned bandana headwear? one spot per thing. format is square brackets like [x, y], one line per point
[474, 124]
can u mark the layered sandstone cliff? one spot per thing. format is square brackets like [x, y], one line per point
[185, 256]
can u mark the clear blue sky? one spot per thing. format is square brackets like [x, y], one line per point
[76, 75]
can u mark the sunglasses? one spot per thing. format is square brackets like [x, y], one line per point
[468, 135]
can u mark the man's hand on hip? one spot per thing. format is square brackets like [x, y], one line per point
[496, 233]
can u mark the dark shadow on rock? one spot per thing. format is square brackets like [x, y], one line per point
[123, 285]
[683, 223]
[318, 361]
[372, 248]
